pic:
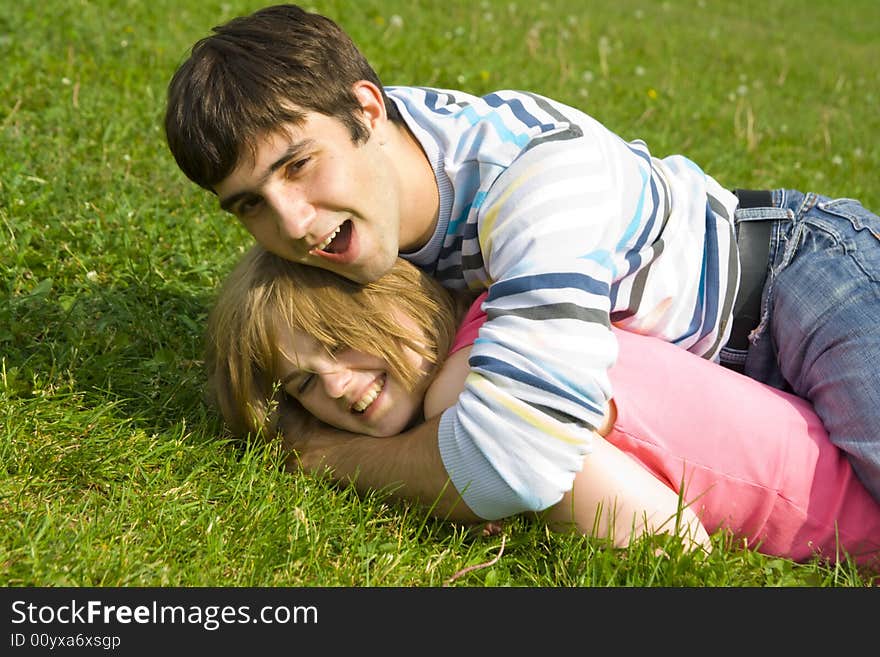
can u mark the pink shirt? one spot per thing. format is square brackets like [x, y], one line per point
[747, 456]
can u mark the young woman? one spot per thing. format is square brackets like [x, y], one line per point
[687, 446]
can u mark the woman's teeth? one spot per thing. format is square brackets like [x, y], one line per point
[369, 397]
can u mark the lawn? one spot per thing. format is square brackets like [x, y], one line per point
[116, 473]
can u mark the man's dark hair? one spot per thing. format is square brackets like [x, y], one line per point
[255, 74]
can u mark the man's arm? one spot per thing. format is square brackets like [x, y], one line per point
[408, 466]
[613, 497]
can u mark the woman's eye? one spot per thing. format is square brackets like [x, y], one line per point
[305, 384]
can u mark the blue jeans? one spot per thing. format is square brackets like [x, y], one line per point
[819, 334]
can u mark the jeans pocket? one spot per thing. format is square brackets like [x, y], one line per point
[853, 211]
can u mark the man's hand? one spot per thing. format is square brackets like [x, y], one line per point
[311, 445]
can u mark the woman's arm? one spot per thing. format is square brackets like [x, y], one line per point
[616, 498]
[447, 384]
[407, 466]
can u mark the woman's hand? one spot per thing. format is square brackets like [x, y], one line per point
[616, 498]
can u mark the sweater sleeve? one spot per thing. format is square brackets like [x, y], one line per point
[553, 232]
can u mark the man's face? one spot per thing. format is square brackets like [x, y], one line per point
[311, 195]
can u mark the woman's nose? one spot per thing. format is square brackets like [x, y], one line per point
[336, 382]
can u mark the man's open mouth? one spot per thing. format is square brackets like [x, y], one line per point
[337, 241]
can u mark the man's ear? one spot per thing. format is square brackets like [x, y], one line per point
[370, 98]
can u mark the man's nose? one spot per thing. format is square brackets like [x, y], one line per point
[293, 214]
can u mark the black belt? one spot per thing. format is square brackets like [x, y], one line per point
[753, 243]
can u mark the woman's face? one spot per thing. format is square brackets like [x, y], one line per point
[349, 389]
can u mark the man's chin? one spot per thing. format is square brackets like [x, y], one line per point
[375, 268]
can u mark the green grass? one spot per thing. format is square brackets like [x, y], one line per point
[114, 471]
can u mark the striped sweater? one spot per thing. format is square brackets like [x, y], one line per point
[571, 229]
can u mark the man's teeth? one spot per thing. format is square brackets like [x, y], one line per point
[368, 398]
[323, 245]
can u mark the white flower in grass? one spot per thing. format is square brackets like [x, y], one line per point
[837, 160]
[92, 276]
[395, 21]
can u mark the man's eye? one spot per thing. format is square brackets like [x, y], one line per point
[294, 168]
[248, 206]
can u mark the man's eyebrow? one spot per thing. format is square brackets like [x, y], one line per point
[291, 152]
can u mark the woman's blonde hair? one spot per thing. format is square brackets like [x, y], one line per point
[266, 294]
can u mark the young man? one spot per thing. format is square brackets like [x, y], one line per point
[562, 221]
